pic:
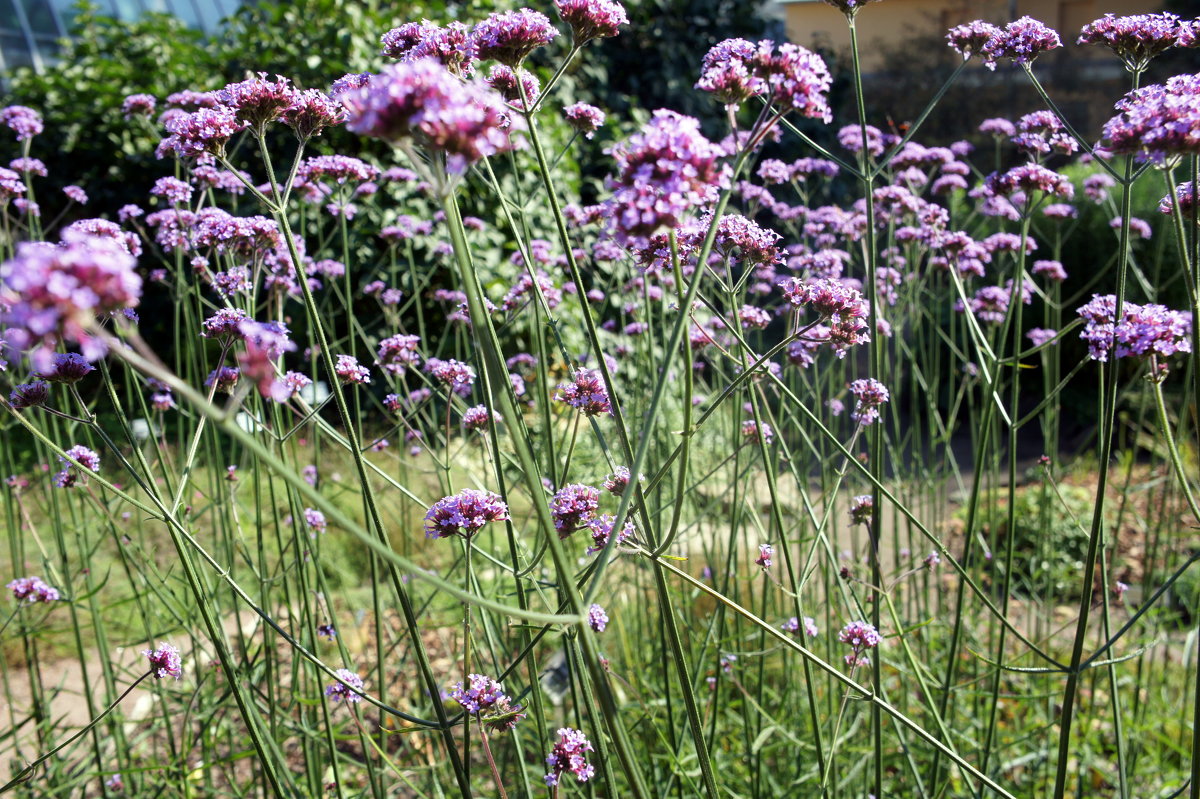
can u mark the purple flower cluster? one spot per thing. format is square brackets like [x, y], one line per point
[421, 102]
[464, 513]
[28, 590]
[870, 394]
[584, 118]
[592, 19]
[1022, 41]
[67, 368]
[202, 132]
[21, 120]
[860, 636]
[484, 698]
[789, 76]
[1144, 330]
[1028, 178]
[568, 755]
[662, 172]
[452, 46]
[1138, 38]
[478, 418]
[573, 506]
[510, 36]
[29, 395]
[765, 553]
[597, 619]
[69, 476]
[397, 353]
[601, 531]
[58, 291]
[586, 393]
[972, 38]
[1159, 121]
[460, 377]
[349, 687]
[165, 661]
[350, 371]
[793, 625]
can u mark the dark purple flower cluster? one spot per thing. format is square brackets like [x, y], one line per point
[28, 590]
[1144, 330]
[585, 392]
[464, 513]
[256, 100]
[862, 508]
[67, 368]
[478, 418]
[568, 755]
[870, 394]
[573, 506]
[512, 84]
[29, 395]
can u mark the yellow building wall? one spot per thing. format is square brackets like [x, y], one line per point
[892, 22]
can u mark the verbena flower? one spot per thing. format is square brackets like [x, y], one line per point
[510, 84]
[460, 377]
[1022, 41]
[464, 513]
[592, 19]
[848, 7]
[586, 393]
[452, 46]
[172, 190]
[397, 353]
[861, 509]
[311, 111]
[484, 698]
[601, 528]
[569, 755]
[573, 506]
[1028, 178]
[201, 132]
[138, 105]
[510, 36]
[165, 661]
[256, 100]
[478, 418]
[349, 370]
[662, 172]
[1136, 39]
[57, 292]
[870, 394]
[68, 368]
[29, 395]
[1052, 270]
[348, 687]
[30, 590]
[1144, 330]
[971, 39]
[753, 433]
[70, 475]
[789, 76]
[315, 521]
[860, 637]
[584, 118]
[765, 553]
[419, 102]
[21, 120]
[597, 619]
[1157, 122]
